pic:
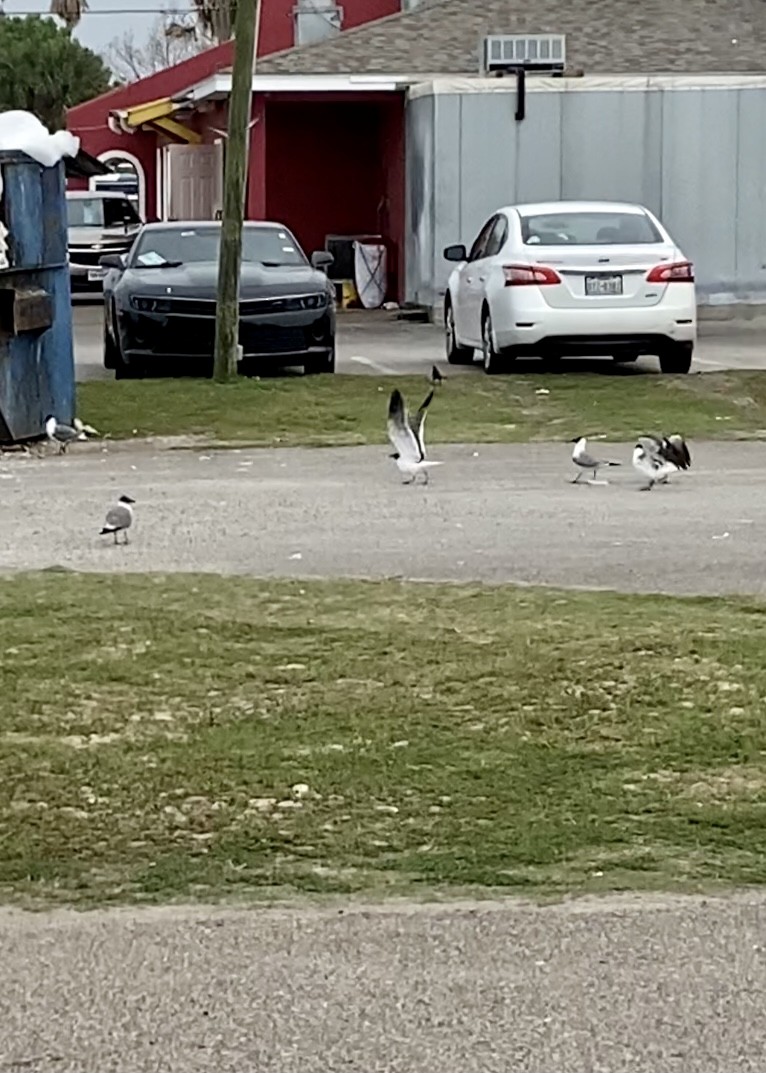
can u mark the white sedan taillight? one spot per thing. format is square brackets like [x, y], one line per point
[680, 272]
[527, 275]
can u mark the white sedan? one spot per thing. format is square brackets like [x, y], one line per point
[569, 278]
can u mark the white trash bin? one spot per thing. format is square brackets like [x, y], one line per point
[370, 268]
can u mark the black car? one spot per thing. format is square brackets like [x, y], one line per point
[160, 301]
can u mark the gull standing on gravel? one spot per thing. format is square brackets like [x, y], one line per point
[61, 435]
[119, 518]
[651, 461]
[585, 461]
[407, 437]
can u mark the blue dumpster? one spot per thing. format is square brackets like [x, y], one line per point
[36, 357]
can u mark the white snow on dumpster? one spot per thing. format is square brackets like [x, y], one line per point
[24, 132]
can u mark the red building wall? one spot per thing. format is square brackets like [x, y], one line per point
[90, 120]
[334, 166]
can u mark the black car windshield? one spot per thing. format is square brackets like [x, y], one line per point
[176, 245]
[589, 229]
[100, 212]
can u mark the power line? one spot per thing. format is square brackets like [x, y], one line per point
[119, 11]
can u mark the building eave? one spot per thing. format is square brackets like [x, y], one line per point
[219, 86]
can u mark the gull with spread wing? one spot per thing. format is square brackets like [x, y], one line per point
[407, 437]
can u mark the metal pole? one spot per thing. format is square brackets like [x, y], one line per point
[234, 182]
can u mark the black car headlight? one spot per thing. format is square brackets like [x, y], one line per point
[149, 305]
[314, 301]
[299, 301]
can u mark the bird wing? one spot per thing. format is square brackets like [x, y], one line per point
[118, 517]
[587, 461]
[399, 429]
[681, 455]
[418, 422]
[65, 433]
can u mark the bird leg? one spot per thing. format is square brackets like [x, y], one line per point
[647, 487]
[125, 536]
[576, 478]
[425, 476]
[115, 537]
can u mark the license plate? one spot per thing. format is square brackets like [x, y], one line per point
[95, 273]
[603, 284]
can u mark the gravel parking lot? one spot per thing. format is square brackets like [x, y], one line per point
[492, 513]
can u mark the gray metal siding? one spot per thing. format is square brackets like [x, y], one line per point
[419, 203]
[695, 156]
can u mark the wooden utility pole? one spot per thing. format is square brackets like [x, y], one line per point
[234, 184]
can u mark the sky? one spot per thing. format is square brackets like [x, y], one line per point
[106, 19]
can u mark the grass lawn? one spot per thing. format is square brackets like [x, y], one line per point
[153, 732]
[347, 410]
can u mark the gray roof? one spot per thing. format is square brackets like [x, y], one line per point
[603, 36]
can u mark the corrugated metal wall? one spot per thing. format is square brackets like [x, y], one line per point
[695, 156]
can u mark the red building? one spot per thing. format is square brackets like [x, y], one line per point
[133, 124]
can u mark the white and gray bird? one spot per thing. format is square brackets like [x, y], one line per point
[119, 519]
[407, 437]
[657, 457]
[584, 460]
[61, 435]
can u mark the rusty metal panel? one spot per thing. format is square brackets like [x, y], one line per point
[32, 310]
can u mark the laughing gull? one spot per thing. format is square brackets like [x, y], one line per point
[651, 461]
[582, 458]
[62, 435]
[407, 437]
[119, 518]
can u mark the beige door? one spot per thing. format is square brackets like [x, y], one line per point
[194, 178]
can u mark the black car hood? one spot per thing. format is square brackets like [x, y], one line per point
[200, 280]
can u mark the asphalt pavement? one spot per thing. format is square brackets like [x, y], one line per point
[377, 342]
[621, 985]
[491, 513]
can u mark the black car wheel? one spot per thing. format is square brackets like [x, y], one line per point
[111, 350]
[132, 371]
[324, 364]
[676, 358]
[456, 353]
[495, 361]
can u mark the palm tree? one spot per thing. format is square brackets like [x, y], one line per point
[69, 11]
[216, 17]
